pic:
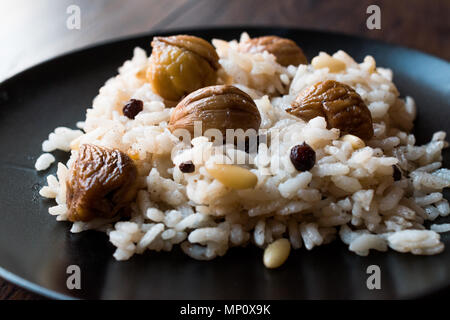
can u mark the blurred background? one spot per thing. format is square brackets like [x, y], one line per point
[35, 30]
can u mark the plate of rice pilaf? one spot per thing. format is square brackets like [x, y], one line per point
[228, 163]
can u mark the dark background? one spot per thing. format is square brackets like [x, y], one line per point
[35, 30]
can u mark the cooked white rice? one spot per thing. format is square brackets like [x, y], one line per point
[44, 161]
[349, 192]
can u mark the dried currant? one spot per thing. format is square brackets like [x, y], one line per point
[303, 157]
[187, 167]
[132, 108]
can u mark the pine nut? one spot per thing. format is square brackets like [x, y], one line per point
[276, 253]
[370, 63]
[233, 176]
[356, 142]
[323, 60]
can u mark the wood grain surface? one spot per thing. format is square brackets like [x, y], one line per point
[33, 31]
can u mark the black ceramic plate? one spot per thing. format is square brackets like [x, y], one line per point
[35, 250]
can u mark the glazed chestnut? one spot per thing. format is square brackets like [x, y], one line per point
[180, 65]
[286, 51]
[341, 106]
[217, 107]
[101, 182]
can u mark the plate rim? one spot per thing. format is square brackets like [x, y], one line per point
[32, 287]
[186, 30]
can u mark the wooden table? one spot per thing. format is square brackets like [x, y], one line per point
[36, 30]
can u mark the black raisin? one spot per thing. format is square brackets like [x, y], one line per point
[132, 108]
[187, 167]
[303, 157]
[397, 175]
